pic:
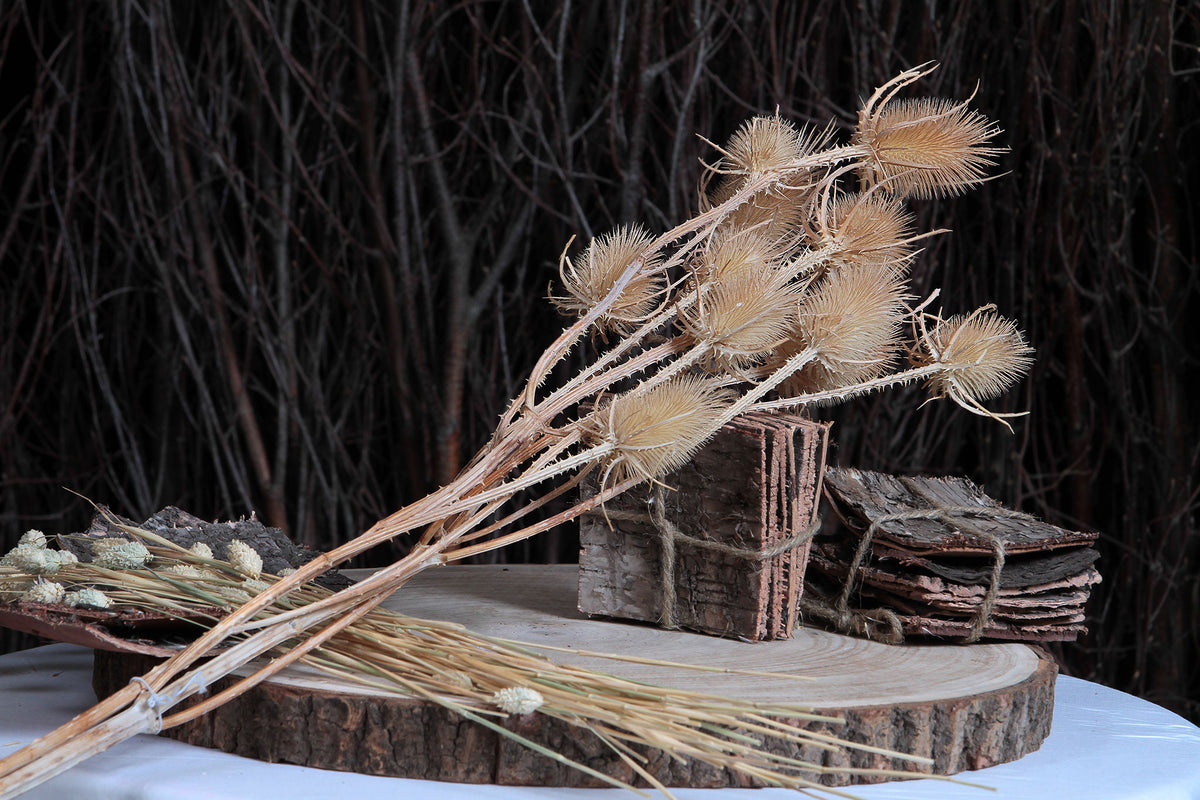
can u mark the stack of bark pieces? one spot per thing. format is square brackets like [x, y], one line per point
[725, 550]
[946, 560]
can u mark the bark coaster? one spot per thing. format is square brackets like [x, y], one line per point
[965, 708]
[938, 557]
[723, 552]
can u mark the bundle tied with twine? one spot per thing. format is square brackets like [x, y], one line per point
[788, 288]
[882, 624]
[669, 536]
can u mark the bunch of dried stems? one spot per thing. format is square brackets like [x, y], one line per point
[786, 289]
[483, 679]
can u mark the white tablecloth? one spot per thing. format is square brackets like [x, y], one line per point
[1104, 744]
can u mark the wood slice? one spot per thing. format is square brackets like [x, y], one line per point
[965, 707]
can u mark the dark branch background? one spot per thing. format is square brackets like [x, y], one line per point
[291, 256]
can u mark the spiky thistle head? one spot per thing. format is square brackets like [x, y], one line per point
[925, 147]
[654, 431]
[741, 316]
[588, 279]
[764, 145]
[979, 356]
[863, 229]
[731, 252]
[851, 320]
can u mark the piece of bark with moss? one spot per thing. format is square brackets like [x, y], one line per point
[278, 552]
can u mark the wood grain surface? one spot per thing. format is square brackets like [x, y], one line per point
[966, 707]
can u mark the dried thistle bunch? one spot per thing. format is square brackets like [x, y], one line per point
[788, 288]
[792, 289]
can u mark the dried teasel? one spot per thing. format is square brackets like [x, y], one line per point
[926, 147]
[651, 432]
[588, 279]
[737, 252]
[742, 316]
[852, 322]
[762, 145]
[862, 229]
[979, 356]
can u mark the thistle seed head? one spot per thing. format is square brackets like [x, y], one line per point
[980, 355]
[33, 538]
[186, 571]
[31, 560]
[590, 278]
[760, 146]
[89, 597]
[743, 316]
[864, 229]
[653, 432]
[926, 147]
[201, 549]
[852, 320]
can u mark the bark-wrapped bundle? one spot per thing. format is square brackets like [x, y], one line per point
[724, 549]
[938, 557]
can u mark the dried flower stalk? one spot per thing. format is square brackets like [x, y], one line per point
[783, 281]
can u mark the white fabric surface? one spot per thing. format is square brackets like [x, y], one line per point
[1104, 744]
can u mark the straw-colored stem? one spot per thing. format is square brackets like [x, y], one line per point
[875, 384]
[94, 739]
[576, 510]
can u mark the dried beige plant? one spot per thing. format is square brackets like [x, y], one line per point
[786, 290]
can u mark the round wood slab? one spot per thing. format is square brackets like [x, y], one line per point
[966, 707]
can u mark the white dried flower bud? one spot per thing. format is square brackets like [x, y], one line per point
[201, 549]
[184, 571]
[518, 700]
[31, 560]
[45, 592]
[235, 596]
[65, 557]
[255, 586]
[93, 598]
[456, 677]
[122, 554]
[32, 537]
[244, 558]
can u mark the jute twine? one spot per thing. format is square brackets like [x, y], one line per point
[883, 624]
[670, 536]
